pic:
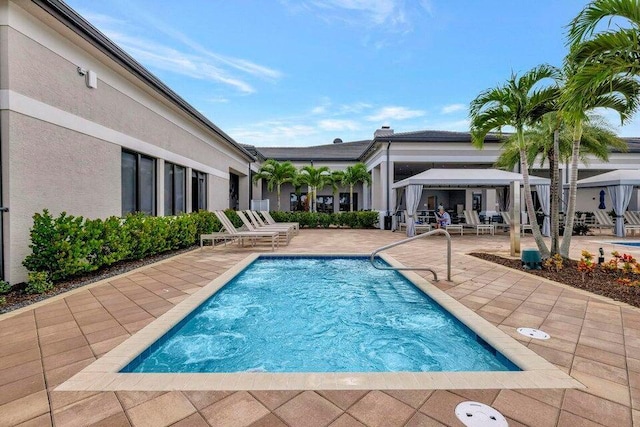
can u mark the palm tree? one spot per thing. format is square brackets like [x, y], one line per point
[335, 181]
[609, 52]
[276, 174]
[550, 141]
[518, 103]
[316, 179]
[354, 175]
[620, 93]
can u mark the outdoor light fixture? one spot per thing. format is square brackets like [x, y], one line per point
[90, 77]
[601, 257]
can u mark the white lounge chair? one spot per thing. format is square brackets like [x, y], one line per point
[603, 220]
[253, 236]
[284, 231]
[506, 217]
[267, 217]
[420, 228]
[633, 222]
[473, 220]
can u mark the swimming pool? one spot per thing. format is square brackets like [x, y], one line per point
[631, 244]
[319, 314]
[105, 374]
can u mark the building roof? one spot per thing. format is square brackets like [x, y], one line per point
[616, 177]
[633, 144]
[345, 151]
[439, 136]
[71, 19]
[460, 178]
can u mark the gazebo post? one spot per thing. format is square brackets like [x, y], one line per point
[514, 229]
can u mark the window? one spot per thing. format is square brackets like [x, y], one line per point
[174, 189]
[198, 191]
[298, 202]
[138, 183]
[324, 204]
[344, 202]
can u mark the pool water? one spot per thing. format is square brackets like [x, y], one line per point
[318, 314]
[633, 244]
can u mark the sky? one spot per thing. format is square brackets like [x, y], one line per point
[304, 72]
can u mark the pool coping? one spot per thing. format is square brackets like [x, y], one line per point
[104, 375]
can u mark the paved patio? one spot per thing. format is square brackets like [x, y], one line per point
[594, 339]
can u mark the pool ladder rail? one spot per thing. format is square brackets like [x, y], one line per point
[411, 239]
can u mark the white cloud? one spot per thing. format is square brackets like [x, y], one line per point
[386, 114]
[354, 108]
[193, 60]
[338, 125]
[275, 133]
[454, 125]
[218, 100]
[390, 15]
[452, 108]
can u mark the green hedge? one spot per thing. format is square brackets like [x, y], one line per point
[359, 219]
[67, 246]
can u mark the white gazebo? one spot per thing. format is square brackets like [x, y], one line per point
[619, 184]
[463, 178]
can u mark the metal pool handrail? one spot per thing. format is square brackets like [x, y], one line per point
[410, 239]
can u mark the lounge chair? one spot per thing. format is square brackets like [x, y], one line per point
[285, 231]
[506, 217]
[603, 220]
[633, 222]
[253, 236]
[473, 220]
[269, 219]
[420, 228]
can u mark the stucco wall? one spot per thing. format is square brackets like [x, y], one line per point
[53, 168]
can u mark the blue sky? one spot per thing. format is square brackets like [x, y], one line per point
[303, 72]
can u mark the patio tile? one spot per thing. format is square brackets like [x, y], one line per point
[441, 407]
[18, 372]
[596, 409]
[239, 409]
[202, 399]
[67, 357]
[421, 420]
[346, 420]
[343, 398]
[24, 409]
[88, 411]
[269, 420]
[116, 420]
[551, 397]
[193, 420]
[16, 359]
[601, 370]
[484, 396]
[380, 409]
[413, 398]
[57, 376]
[309, 409]
[60, 399]
[567, 419]
[603, 388]
[62, 346]
[161, 411]
[602, 356]
[525, 409]
[272, 399]
[43, 420]
[21, 388]
[130, 399]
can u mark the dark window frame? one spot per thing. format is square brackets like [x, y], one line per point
[198, 190]
[344, 207]
[139, 191]
[174, 187]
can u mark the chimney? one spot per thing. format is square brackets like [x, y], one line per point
[384, 131]
[337, 141]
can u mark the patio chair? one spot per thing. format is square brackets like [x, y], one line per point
[253, 236]
[269, 219]
[284, 231]
[603, 220]
[473, 220]
[420, 228]
[506, 217]
[633, 222]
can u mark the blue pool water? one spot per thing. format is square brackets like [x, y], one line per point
[634, 244]
[318, 314]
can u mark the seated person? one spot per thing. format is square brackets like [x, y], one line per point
[442, 218]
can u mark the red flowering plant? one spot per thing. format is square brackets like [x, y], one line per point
[586, 264]
[626, 265]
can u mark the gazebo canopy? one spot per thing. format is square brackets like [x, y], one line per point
[617, 177]
[460, 178]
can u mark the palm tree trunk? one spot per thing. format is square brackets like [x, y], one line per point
[573, 189]
[351, 198]
[535, 228]
[555, 193]
[279, 197]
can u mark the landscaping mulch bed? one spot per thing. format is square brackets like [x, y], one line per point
[600, 281]
[17, 298]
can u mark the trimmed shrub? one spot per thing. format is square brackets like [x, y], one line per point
[38, 283]
[358, 219]
[5, 287]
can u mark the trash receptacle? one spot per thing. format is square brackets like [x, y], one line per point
[531, 259]
[387, 222]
